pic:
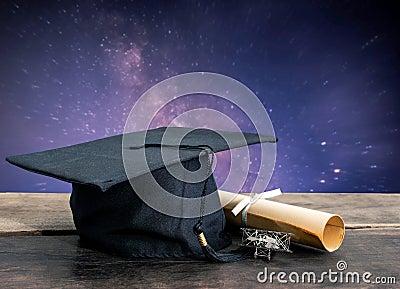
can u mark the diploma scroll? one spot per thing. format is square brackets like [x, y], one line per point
[310, 227]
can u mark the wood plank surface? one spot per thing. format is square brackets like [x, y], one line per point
[38, 249]
[33, 213]
[60, 262]
[355, 208]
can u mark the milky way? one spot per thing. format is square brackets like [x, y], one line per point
[327, 73]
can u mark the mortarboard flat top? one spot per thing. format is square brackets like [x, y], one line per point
[100, 162]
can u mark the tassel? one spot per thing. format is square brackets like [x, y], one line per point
[214, 256]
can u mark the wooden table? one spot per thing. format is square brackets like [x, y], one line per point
[39, 248]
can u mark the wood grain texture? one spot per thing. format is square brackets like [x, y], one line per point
[60, 262]
[32, 214]
[29, 258]
[355, 208]
[37, 213]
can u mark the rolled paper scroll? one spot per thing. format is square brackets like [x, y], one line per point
[310, 227]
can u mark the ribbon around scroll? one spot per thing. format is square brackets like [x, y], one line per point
[254, 198]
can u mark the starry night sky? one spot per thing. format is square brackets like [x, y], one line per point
[326, 71]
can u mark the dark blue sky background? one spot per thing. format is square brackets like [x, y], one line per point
[327, 72]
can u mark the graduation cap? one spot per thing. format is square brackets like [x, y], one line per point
[109, 212]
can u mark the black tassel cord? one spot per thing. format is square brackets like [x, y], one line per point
[241, 253]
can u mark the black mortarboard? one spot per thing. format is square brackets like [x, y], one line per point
[108, 212]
